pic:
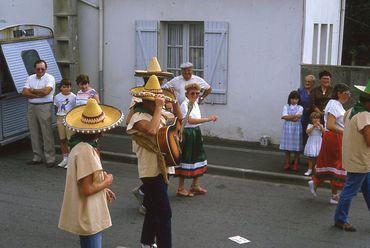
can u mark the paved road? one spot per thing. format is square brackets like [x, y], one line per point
[270, 215]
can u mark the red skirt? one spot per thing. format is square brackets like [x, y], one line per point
[329, 162]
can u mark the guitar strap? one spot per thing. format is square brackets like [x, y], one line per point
[151, 147]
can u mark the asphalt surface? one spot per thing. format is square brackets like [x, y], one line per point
[269, 215]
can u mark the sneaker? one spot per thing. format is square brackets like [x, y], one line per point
[334, 199]
[142, 210]
[149, 246]
[64, 162]
[308, 173]
[311, 185]
[138, 195]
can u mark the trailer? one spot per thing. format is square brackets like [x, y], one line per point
[21, 46]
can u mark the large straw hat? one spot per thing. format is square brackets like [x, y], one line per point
[93, 118]
[153, 69]
[150, 89]
[363, 90]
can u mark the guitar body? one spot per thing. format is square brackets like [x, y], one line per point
[168, 142]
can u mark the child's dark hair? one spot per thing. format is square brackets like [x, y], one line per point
[339, 88]
[315, 115]
[293, 95]
[82, 79]
[65, 82]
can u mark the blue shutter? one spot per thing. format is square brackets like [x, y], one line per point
[12, 53]
[14, 116]
[146, 44]
[216, 35]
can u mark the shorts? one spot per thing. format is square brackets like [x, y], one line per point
[63, 131]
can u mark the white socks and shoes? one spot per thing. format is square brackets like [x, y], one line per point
[308, 173]
[311, 185]
[334, 199]
[64, 163]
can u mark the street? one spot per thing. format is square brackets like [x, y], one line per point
[267, 214]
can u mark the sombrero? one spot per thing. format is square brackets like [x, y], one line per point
[153, 69]
[150, 89]
[93, 118]
[363, 90]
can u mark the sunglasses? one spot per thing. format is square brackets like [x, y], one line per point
[347, 93]
[194, 93]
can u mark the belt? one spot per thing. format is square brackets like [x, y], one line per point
[39, 103]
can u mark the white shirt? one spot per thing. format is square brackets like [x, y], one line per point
[46, 80]
[335, 108]
[64, 103]
[178, 83]
[195, 112]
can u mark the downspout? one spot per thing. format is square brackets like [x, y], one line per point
[101, 50]
[341, 31]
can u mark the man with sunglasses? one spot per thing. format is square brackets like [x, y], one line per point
[39, 89]
[178, 83]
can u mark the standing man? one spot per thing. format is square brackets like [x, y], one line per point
[39, 89]
[178, 83]
[356, 157]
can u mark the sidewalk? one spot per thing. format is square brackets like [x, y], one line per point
[236, 159]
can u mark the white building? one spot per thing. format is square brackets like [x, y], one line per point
[250, 51]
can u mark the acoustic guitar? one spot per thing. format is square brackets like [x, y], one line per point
[169, 138]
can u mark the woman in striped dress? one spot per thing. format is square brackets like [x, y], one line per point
[193, 161]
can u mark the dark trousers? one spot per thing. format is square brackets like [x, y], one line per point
[157, 222]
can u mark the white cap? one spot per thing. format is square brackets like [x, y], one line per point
[186, 65]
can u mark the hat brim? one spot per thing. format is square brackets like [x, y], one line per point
[360, 90]
[141, 73]
[113, 117]
[140, 92]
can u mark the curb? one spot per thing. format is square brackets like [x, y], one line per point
[218, 170]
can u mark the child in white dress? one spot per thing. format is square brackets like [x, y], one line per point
[312, 149]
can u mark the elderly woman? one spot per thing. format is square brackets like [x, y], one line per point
[321, 94]
[85, 210]
[329, 162]
[305, 102]
[193, 162]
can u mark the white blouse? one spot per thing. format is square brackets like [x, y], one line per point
[335, 108]
[195, 112]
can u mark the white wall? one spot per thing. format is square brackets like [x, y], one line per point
[264, 57]
[14, 12]
[321, 12]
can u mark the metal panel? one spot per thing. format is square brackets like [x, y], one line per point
[146, 44]
[216, 60]
[14, 116]
[12, 53]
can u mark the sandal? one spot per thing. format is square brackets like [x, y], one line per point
[184, 193]
[197, 190]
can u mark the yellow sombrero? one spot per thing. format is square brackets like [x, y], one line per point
[363, 90]
[150, 89]
[153, 69]
[93, 118]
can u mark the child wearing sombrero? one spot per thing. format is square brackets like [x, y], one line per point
[143, 127]
[84, 210]
[193, 159]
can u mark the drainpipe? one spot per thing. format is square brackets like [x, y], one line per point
[101, 50]
[341, 30]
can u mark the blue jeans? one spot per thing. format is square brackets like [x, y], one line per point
[354, 182]
[91, 241]
[157, 222]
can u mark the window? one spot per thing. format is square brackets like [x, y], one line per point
[6, 81]
[185, 42]
[29, 58]
[322, 43]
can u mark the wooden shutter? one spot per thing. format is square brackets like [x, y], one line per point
[146, 44]
[216, 36]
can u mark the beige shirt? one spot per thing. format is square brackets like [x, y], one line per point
[80, 214]
[356, 153]
[146, 160]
